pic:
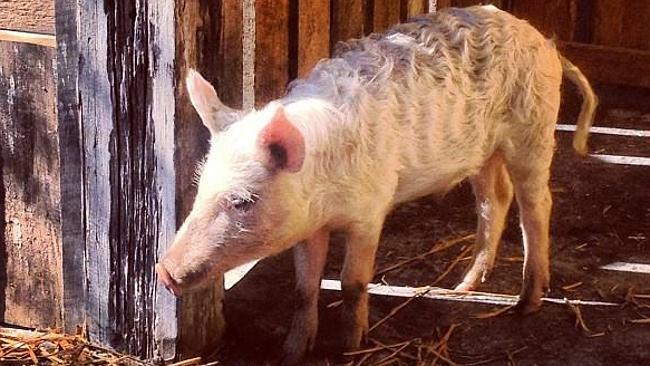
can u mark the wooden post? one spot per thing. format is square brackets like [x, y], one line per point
[116, 117]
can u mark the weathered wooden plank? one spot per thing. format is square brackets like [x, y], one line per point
[209, 42]
[96, 119]
[161, 109]
[72, 187]
[72, 167]
[313, 33]
[622, 23]
[347, 20]
[386, 13]
[554, 18]
[30, 254]
[27, 15]
[609, 64]
[271, 49]
[124, 52]
[230, 53]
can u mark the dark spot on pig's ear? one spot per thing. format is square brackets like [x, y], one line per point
[282, 143]
[278, 155]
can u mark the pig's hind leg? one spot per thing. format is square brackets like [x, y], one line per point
[309, 258]
[493, 191]
[529, 168]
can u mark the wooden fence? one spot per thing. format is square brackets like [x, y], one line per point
[99, 141]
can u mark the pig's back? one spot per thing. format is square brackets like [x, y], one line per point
[433, 94]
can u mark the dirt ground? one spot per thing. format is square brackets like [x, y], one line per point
[601, 215]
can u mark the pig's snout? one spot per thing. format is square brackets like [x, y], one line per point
[168, 280]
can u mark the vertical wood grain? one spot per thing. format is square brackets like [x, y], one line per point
[73, 225]
[313, 33]
[347, 20]
[386, 13]
[621, 23]
[31, 278]
[123, 52]
[209, 39]
[554, 18]
[271, 49]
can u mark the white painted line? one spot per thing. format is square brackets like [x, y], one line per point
[628, 267]
[235, 275]
[622, 159]
[607, 130]
[437, 293]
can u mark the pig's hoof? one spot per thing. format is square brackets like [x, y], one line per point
[464, 286]
[528, 306]
[352, 341]
[295, 347]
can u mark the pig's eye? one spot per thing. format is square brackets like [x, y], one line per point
[243, 204]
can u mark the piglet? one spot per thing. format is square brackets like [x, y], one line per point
[460, 94]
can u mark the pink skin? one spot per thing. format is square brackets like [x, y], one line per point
[221, 232]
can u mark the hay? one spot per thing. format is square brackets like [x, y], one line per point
[438, 247]
[52, 347]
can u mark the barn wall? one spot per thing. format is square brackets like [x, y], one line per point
[27, 15]
[31, 292]
[129, 139]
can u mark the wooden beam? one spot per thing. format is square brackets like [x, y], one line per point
[27, 15]
[30, 248]
[26, 37]
[610, 65]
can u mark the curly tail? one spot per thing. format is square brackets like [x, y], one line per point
[588, 108]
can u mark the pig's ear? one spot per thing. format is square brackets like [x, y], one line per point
[282, 143]
[214, 114]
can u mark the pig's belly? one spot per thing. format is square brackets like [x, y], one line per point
[416, 183]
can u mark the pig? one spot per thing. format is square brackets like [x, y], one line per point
[460, 94]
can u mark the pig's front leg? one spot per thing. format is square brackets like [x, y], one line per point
[309, 258]
[357, 273]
